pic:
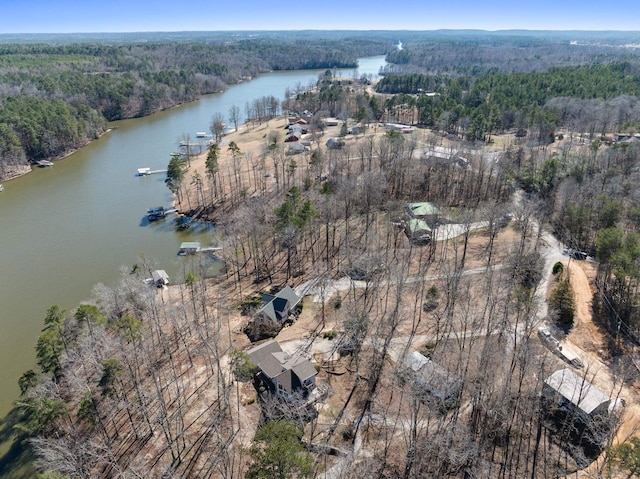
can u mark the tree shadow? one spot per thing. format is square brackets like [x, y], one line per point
[17, 462]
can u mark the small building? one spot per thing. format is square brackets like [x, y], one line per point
[160, 278]
[293, 136]
[572, 394]
[277, 308]
[331, 122]
[286, 375]
[433, 379]
[189, 247]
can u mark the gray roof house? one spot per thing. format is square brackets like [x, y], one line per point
[277, 308]
[568, 391]
[433, 379]
[287, 374]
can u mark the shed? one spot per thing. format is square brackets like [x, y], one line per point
[571, 392]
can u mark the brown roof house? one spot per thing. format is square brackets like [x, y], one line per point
[285, 375]
[278, 307]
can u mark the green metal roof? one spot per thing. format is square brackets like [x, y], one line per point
[416, 224]
[423, 209]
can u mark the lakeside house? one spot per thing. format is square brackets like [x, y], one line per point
[285, 375]
[278, 307]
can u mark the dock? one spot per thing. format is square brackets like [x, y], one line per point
[193, 247]
[148, 171]
[159, 212]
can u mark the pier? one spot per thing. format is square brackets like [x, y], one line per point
[159, 212]
[148, 171]
[193, 247]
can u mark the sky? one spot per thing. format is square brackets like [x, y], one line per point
[79, 16]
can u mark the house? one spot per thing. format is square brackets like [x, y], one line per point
[433, 379]
[298, 147]
[425, 211]
[334, 143]
[277, 308]
[293, 136]
[287, 375]
[567, 392]
[160, 278]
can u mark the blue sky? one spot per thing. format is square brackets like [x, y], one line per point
[62, 16]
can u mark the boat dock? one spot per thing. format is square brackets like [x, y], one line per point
[148, 171]
[159, 212]
[193, 247]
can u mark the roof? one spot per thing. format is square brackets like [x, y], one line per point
[422, 209]
[415, 225]
[577, 390]
[277, 307]
[160, 274]
[431, 372]
[263, 356]
[289, 371]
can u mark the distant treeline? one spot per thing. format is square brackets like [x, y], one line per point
[500, 101]
[55, 98]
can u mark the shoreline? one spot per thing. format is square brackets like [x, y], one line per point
[28, 168]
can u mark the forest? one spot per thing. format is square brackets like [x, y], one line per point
[57, 97]
[533, 179]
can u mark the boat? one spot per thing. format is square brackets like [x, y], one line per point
[1, 188]
[44, 163]
[144, 171]
[201, 134]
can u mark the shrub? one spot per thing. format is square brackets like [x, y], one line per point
[558, 268]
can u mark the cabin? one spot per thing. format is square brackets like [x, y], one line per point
[189, 247]
[571, 394]
[277, 308]
[439, 385]
[285, 375]
[160, 278]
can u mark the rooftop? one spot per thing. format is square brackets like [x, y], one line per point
[577, 390]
